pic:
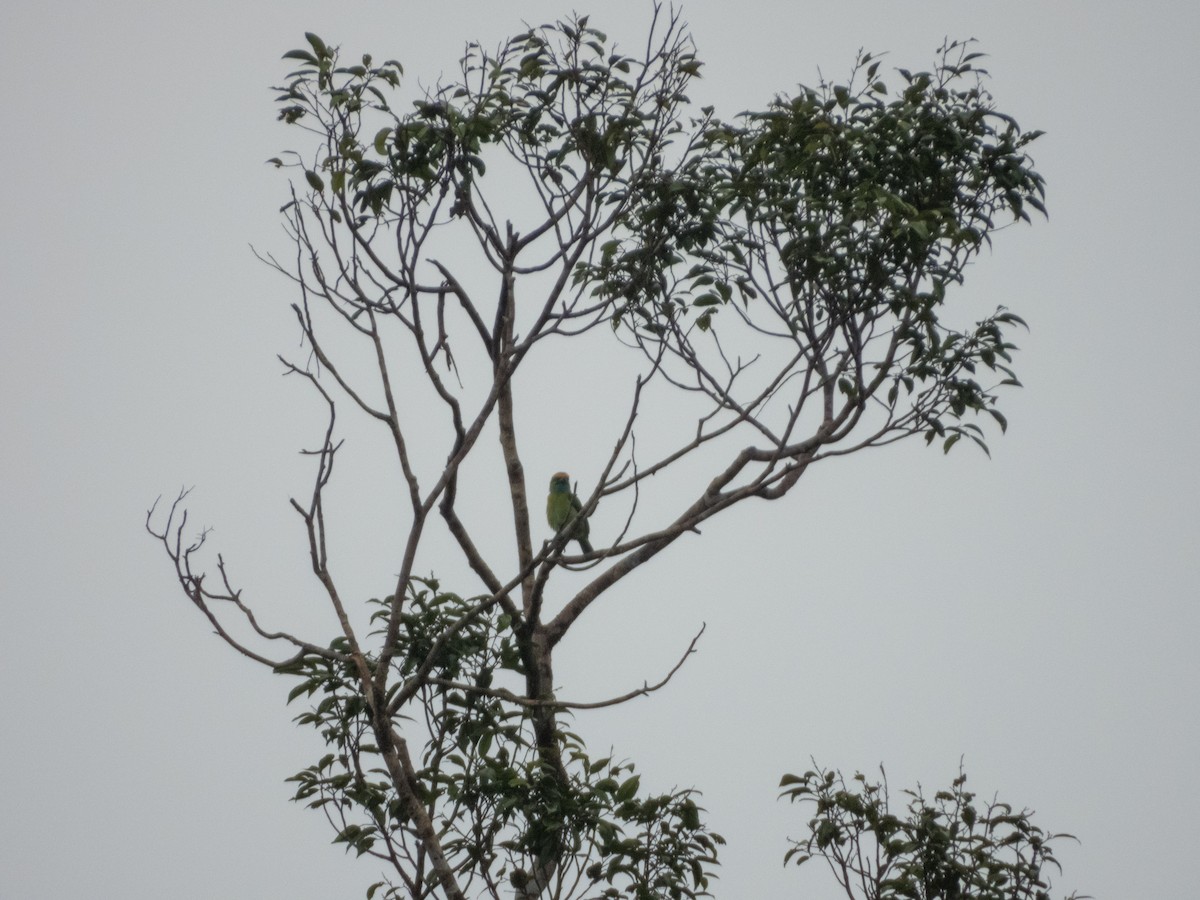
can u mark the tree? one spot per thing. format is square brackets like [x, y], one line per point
[782, 279]
[947, 848]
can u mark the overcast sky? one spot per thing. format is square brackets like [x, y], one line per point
[1033, 614]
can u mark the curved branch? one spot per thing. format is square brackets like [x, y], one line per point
[527, 703]
[171, 537]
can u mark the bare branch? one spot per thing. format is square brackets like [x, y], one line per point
[552, 703]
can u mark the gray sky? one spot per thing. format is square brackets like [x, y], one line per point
[1034, 613]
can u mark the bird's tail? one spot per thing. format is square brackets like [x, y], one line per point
[585, 544]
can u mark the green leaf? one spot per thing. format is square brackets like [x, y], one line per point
[381, 140]
[298, 690]
[314, 180]
[301, 55]
[317, 44]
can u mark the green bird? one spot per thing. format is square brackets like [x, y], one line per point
[563, 507]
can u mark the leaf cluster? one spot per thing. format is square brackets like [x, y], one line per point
[578, 115]
[948, 847]
[505, 811]
[836, 220]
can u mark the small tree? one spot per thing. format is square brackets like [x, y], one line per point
[780, 279]
[945, 848]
